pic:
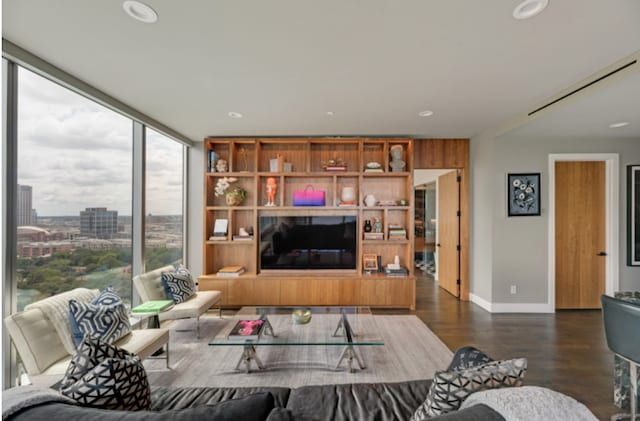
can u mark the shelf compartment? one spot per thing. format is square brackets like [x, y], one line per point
[292, 184]
[344, 152]
[292, 152]
[243, 156]
[210, 218]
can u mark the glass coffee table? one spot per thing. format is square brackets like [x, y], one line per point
[346, 327]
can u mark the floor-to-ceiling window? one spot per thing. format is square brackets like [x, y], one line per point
[164, 181]
[74, 192]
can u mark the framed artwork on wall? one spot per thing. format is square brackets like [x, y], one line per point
[523, 194]
[633, 215]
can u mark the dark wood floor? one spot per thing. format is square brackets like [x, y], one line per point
[566, 351]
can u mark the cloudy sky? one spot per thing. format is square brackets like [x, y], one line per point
[76, 154]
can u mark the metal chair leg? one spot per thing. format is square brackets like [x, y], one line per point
[198, 327]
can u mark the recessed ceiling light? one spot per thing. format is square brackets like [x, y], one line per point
[425, 113]
[140, 11]
[618, 124]
[330, 113]
[529, 8]
[234, 114]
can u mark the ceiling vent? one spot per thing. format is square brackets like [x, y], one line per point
[575, 91]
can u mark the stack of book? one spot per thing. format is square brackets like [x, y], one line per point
[400, 271]
[397, 232]
[246, 330]
[242, 237]
[335, 168]
[374, 235]
[152, 306]
[230, 271]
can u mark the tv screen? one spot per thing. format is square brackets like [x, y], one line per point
[308, 242]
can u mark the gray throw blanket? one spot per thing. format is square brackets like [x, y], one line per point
[56, 309]
[22, 397]
[531, 403]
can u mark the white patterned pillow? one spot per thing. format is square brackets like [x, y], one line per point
[450, 388]
[104, 376]
[108, 322]
[178, 285]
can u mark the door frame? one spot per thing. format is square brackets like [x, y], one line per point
[612, 193]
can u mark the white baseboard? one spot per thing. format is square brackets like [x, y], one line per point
[481, 302]
[511, 307]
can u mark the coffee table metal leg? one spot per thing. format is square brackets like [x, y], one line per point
[350, 354]
[248, 354]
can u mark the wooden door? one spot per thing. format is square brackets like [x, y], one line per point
[448, 232]
[580, 211]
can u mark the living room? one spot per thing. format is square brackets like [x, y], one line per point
[523, 94]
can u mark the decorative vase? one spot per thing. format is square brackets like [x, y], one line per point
[301, 316]
[348, 196]
[370, 200]
[367, 226]
[233, 199]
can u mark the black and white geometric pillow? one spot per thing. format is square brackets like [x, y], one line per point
[107, 297]
[468, 357]
[108, 322]
[450, 388]
[104, 376]
[179, 286]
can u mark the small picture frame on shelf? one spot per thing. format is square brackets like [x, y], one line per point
[370, 263]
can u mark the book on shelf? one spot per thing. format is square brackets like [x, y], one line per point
[402, 271]
[374, 236]
[242, 237]
[218, 238]
[220, 227]
[231, 271]
[153, 306]
[373, 170]
[247, 330]
[335, 168]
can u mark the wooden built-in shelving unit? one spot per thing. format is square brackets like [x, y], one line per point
[249, 162]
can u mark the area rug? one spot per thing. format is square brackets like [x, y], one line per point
[411, 352]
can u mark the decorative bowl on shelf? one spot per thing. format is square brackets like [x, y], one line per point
[301, 316]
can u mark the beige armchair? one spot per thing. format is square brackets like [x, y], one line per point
[45, 346]
[149, 287]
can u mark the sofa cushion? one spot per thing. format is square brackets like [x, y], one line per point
[178, 285]
[104, 376]
[193, 307]
[149, 284]
[255, 407]
[167, 397]
[468, 357]
[36, 340]
[450, 388]
[108, 322]
[364, 401]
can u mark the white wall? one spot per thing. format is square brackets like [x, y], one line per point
[195, 207]
[516, 249]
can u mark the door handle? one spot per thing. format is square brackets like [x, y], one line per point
[602, 253]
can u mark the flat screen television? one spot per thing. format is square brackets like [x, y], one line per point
[308, 242]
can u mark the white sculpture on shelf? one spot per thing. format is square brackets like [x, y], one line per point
[396, 164]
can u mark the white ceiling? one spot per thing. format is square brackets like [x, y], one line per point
[374, 63]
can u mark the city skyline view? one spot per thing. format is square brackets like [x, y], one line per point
[77, 154]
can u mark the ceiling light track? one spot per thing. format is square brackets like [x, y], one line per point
[575, 91]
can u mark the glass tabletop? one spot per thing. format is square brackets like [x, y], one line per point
[294, 326]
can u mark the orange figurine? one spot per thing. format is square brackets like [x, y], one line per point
[271, 189]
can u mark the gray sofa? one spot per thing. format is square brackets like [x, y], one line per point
[376, 401]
